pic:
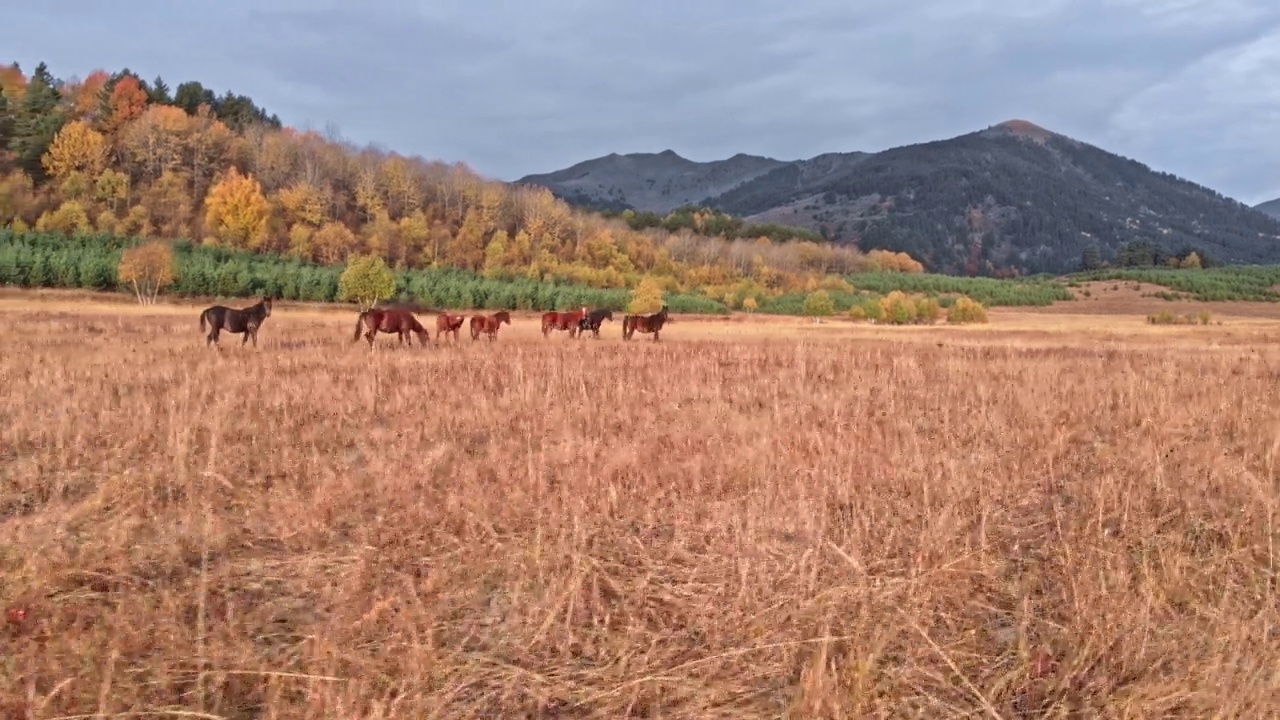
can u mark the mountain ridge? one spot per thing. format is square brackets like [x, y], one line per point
[1013, 196]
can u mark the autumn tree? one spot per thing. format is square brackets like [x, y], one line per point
[1191, 262]
[750, 304]
[966, 310]
[147, 269]
[366, 280]
[126, 100]
[77, 148]
[647, 297]
[236, 212]
[818, 304]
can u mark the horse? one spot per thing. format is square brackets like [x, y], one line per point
[592, 322]
[245, 320]
[390, 320]
[446, 323]
[644, 323]
[488, 324]
[567, 320]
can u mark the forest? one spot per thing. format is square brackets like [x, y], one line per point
[112, 155]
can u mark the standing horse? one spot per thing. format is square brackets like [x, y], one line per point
[592, 322]
[567, 320]
[390, 320]
[644, 323]
[246, 320]
[446, 323]
[488, 324]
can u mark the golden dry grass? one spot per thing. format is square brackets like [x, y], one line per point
[808, 522]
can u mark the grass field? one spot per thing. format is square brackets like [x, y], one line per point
[1052, 515]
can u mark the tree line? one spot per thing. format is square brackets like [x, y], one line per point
[113, 154]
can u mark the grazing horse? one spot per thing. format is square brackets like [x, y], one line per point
[446, 323]
[246, 320]
[567, 320]
[488, 324]
[592, 322]
[644, 323]
[390, 320]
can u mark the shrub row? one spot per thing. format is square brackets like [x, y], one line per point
[91, 262]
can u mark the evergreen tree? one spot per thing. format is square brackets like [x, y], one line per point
[37, 121]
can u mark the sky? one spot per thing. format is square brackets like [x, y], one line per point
[1190, 87]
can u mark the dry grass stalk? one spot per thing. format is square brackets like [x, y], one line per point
[694, 528]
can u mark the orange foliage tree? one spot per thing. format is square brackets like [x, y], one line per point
[236, 212]
[147, 269]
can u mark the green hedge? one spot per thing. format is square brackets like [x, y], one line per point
[90, 261]
[1040, 290]
[1219, 284]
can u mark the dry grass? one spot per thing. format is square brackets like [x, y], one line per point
[715, 526]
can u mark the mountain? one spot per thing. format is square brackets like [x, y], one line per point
[660, 182]
[1270, 207]
[1013, 196]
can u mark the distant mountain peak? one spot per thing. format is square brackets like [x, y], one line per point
[1024, 129]
[1014, 195]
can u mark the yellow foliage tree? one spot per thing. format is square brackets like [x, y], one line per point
[70, 218]
[750, 305]
[646, 298]
[966, 310]
[366, 280]
[1191, 262]
[818, 304]
[148, 268]
[898, 308]
[236, 212]
[76, 148]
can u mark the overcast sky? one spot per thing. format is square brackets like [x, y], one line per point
[1191, 87]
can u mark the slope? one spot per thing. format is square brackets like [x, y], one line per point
[1013, 197]
[659, 182]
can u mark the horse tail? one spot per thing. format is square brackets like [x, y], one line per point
[360, 324]
[626, 325]
[203, 314]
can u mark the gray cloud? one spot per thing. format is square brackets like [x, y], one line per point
[1186, 86]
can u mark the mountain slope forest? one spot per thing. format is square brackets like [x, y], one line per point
[1011, 199]
[114, 154]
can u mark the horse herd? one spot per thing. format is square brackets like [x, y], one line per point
[401, 322]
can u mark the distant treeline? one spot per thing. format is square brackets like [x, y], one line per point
[705, 221]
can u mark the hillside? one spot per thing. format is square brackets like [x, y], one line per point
[117, 155]
[660, 182]
[1270, 207]
[1012, 197]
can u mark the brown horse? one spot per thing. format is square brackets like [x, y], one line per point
[592, 322]
[390, 320]
[488, 324]
[246, 320]
[446, 323]
[644, 323]
[567, 320]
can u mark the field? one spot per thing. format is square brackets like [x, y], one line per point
[1065, 512]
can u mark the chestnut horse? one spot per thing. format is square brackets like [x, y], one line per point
[488, 324]
[390, 320]
[567, 320]
[592, 322]
[446, 324]
[246, 320]
[644, 323]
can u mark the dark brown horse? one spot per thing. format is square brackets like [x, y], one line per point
[567, 320]
[390, 320]
[644, 323]
[592, 322]
[446, 323]
[245, 320]
[488, 324]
